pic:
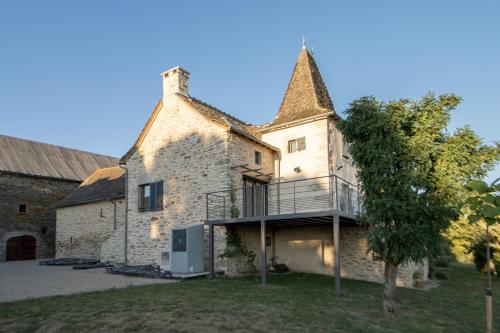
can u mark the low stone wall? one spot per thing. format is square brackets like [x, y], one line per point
[310, 250]
[113, 248]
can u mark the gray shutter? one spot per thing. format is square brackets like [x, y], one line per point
[159, 195]
[301, 143]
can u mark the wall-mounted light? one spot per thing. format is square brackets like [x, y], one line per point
[297, 170]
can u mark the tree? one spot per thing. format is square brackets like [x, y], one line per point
[484, 205]
[409, 169]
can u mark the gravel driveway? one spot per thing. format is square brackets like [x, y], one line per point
[26, 279]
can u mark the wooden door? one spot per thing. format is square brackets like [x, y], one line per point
[21, 248]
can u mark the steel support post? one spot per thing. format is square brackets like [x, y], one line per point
[263, 252]
[336, 252]
[211, 250]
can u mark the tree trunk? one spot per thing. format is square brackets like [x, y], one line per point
[390, 273]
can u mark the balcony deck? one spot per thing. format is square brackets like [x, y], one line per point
[305, 202]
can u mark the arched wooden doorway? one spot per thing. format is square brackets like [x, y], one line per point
[21, 248]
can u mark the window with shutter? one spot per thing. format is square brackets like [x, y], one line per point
[296, 145]
[301, 142]
[151, 197]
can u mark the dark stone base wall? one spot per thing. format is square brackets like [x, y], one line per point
[39, 220]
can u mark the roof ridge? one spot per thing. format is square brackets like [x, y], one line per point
[217, 110]
[54, 145]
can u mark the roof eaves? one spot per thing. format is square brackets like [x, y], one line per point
[143, 133]
[62, 204]
[251, 137]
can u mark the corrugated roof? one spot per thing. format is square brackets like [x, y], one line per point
[45, 160]
[103, 184]
[306, 95]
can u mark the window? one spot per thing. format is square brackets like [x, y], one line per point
[151, 197]
[345, 149]
[258, 158]
[296, 145]
[23, 208]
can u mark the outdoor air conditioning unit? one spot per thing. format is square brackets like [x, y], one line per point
[187, 249]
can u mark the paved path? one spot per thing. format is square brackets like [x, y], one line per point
[26, 279]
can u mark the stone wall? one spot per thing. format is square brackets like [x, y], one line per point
[39, 221]
[189, 154]
[310, 250]
[82, 229]
[113, 248]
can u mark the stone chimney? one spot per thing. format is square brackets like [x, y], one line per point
[175, 80]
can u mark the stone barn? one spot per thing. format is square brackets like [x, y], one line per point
[90, 222]
[33, 177]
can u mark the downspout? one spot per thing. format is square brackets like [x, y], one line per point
[114, 214]
[125, 250]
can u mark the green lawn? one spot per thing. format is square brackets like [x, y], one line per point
[290, 303]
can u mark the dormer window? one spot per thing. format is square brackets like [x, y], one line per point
[296, 145]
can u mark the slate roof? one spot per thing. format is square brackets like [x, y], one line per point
[209, 112]
[103, 184]
[219, 116]
[306, 95]
[45, 160]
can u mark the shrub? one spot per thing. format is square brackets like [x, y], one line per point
[478, 250]
[441, 276]
[441, 261]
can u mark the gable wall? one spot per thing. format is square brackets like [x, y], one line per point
[189, 153]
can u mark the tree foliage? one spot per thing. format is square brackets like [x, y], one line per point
[411, 171]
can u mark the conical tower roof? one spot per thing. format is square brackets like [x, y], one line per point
[306, 95]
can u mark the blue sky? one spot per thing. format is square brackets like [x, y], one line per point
[87, 74]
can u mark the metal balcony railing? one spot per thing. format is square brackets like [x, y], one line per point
[319, 194]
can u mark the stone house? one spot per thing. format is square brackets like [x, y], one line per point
[90, 221]
[33, 177]
[288, 187]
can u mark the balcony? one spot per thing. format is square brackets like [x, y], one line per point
[328, 200]
[307, 199]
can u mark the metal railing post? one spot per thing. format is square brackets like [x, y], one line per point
[254, 192]
[279, 194]
[265, 199]
[330, 192]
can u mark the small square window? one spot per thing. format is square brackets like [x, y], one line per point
[293, 146]
[151, 197]
[23, 208]
[258, 158]
[296, 145]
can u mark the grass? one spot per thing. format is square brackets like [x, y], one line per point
[290, 303]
